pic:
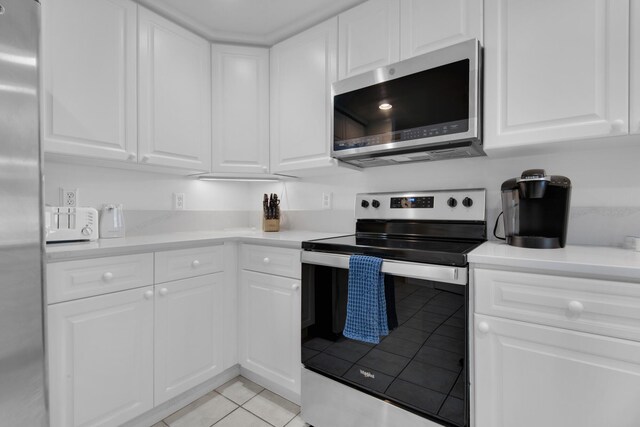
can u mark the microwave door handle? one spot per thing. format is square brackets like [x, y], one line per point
[439, 273]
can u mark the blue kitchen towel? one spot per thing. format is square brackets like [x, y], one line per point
[366, 305]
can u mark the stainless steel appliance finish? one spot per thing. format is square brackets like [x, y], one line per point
[22, 366]
[417, 129]
[418, 375]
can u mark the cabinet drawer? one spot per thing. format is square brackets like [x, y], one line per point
[271, 260]
[185, 263]
[588, 305]
[71, 280]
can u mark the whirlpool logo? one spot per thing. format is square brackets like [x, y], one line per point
[367, 374]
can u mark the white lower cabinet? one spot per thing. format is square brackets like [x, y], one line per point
[554, 351]
[188, 334]
[118, 354]
[101, 358]
[270, 328]
[530, 375]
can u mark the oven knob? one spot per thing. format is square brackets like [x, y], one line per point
[86, 231]
[467, 202]
[364, 204]
[452, 202]
[375, 204]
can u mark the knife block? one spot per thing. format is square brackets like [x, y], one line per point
[270, 224]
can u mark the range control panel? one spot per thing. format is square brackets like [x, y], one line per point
[411, 202]
[444, 205]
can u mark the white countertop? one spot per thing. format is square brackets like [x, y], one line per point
[597, 261]
[160, 242]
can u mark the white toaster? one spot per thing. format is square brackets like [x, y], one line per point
[70, 224]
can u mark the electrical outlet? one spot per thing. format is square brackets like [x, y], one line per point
[68, 197]
[327, 200]
[178, 201]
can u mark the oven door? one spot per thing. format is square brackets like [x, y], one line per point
[421, 366]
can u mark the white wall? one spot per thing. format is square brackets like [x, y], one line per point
[602, 178]
[605, 199]
[141, 190]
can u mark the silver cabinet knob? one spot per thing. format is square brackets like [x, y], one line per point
[195, 263]
[295, 286]
[163, 291]
[107, 277]
[266, 260]
[148, 295]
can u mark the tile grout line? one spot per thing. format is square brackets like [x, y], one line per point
[265, 389]
[220, 420]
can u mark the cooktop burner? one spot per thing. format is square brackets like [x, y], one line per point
[413, 250]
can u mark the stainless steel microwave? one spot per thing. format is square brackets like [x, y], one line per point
[423, 108]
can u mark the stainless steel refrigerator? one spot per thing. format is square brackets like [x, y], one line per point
[22, 362]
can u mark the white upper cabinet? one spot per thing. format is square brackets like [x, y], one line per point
[555, 70]
[302, 70]
[240, 78]
[635, 67]
[368, 37]
[427, 25]
[89, 76]
[174, 110]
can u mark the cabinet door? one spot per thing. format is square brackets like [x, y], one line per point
[547, 83]
[427, 25]
[101, 359]
[240, 78]
[302, 70]
[270, 328]
[368, 37]
[635, 67]
[188, 334]
[89, 76]
[174, 95]
[530, 376]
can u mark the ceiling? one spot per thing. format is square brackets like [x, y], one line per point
[258, 22]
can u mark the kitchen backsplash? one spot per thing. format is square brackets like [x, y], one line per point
[605, 203]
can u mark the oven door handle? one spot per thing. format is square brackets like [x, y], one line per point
[438, 273]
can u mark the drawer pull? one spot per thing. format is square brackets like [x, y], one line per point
[195, 264]
[148, 295]
[483, 327]
[164, 291]
[575, 307]
[266, 260]
[295, 286]
[107, 277]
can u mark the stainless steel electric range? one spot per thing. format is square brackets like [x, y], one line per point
[417, 375]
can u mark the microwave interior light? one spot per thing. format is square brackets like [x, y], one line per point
[385, 106]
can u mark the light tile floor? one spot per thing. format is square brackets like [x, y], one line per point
[238, 403]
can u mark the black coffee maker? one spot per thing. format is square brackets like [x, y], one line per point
[536, 210]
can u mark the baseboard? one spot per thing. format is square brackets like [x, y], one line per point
[167, 408]
[272, 386]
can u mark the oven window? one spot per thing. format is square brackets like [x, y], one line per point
[420, 365]
[425, 104]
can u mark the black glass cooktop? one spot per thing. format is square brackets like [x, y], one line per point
[430, 251]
